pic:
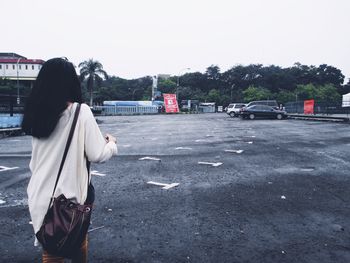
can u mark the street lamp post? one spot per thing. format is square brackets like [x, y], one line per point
[178, 81]
[18, 98]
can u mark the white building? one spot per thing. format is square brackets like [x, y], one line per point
[17, 67]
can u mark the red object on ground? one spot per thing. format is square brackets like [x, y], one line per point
[309, 106]
[170, 103]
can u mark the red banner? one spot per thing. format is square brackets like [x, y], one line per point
[309, 106]
[170, 103]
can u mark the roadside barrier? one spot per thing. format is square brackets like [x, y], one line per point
[124, 110]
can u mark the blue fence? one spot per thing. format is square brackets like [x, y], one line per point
[7, 121]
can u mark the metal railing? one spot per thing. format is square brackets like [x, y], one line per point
[124, 110]
[326, 108]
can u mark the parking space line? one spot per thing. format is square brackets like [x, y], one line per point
[94, 172]
[5, 168]
[164, 186]
[212, 164]
[147, 158]
[234, 151]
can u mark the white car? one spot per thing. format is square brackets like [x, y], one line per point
[233, 109]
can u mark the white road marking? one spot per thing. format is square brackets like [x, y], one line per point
[154, 139]
[234, 151]
[16, 203]
[164, 186]
[212, 164]
[200, 140]
[183, 148]
[2, 202]
[250, 142]
[4, 168]
[94, 172]
[126, 145]
[96, 228]
[283, 197]
[149, 158]
[15, 140]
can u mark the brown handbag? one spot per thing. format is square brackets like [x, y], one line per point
[66, 223]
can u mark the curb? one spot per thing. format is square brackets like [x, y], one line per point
[318, 118]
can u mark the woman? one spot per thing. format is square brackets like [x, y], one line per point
[48, 118]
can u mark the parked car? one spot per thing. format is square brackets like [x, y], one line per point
[233, 109]
[262, 111]
[272, 103]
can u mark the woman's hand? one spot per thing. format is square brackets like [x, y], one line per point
[110, 138]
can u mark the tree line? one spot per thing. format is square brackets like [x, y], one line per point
[238, 84]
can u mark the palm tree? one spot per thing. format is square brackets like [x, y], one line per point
[92, 70]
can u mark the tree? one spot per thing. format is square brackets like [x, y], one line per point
[167, 86]
[257, 93]
[92, 71]
[328, 93]
[285, 96]
[213, 96]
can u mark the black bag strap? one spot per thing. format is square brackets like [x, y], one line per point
[70, 136]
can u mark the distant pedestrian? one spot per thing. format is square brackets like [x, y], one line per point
[48, 117]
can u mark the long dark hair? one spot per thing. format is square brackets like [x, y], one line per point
[57, 83]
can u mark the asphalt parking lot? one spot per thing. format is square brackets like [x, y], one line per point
[248, 191]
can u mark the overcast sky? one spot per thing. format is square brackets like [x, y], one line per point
[135, 38]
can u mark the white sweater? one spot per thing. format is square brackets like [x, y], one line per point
[47, 155]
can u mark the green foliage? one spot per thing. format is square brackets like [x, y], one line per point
[239, 83]
[323, 93]
[328, 93]
[213, 96]
[167, 86]
[306, 92]
[285, 96]
[257, 93]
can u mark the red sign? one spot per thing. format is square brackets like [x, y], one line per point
[170, 103]
[309, 106]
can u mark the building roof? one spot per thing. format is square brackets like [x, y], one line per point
[10, 56]
[22, 61]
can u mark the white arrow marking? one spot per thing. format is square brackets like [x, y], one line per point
[149, 158]
[94, 172]
[212, 164]
[234, 151]
[183, 148]
[4, 168]
[164, 186]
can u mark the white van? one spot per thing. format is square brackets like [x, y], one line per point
[233, 109]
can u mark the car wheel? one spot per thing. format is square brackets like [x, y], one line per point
[279, 116]
[251, 116]
[232, 114]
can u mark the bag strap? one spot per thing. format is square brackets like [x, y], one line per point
[70, 136]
